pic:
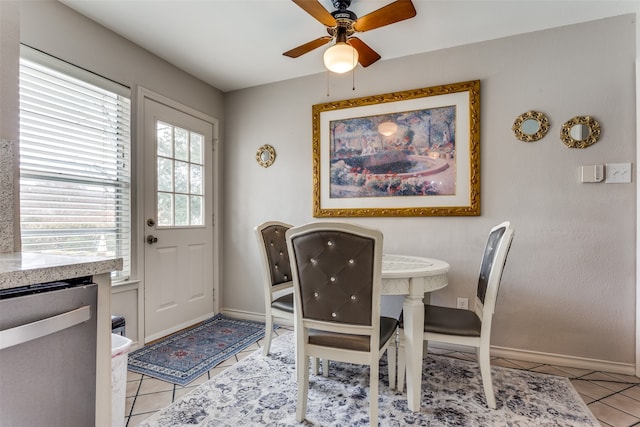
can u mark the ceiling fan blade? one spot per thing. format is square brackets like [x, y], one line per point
[397, 11]
[315, 9]
[307, 47]
[366, 55]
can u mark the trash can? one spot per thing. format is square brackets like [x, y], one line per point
[118, 325]
[120, 346]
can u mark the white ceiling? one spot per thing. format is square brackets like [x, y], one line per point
[234, 44]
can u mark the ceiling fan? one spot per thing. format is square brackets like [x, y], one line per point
[342, 24]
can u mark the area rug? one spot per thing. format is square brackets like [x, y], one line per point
[262, 391]
[184, 356]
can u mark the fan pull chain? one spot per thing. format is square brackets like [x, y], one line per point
[328, 73]
[353, 70]
[353, 79]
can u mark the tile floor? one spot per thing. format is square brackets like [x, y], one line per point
[614, 399]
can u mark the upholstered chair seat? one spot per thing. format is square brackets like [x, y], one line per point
[284, 303]
[388, 327]
[452, 321]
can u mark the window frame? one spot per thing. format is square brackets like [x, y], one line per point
[116, 177]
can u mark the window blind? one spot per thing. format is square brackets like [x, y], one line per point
[74, 165]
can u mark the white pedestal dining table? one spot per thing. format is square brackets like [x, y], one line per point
[414, 277]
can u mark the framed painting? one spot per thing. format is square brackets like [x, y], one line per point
[411, 153]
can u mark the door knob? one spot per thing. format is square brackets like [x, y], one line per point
[151, 222]
[151, 239]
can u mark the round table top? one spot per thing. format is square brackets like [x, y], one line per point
[402, 266]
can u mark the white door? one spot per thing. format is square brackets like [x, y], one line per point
[178, 212]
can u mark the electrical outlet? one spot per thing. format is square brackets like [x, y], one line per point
[463, 303]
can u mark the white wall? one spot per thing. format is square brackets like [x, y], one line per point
[569, 285]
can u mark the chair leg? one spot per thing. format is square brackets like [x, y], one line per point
[303, 386]
[485, 372]
[402, 367]
[268, 331]
[315, 366]
[373, 393]
[391, 364]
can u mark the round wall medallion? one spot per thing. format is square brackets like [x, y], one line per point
[580, 132]
[266, 155]
[530, 126]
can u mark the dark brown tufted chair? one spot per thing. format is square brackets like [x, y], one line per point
[336, 271]
[276, 272]
[467, 327]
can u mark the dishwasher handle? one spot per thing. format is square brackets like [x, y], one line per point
[50, 325]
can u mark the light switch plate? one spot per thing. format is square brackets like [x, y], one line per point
[617, 173]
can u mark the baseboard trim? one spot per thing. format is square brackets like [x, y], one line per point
[248, 315]
[177, 328]
[243, 315]
[550, 359]
[564, 360]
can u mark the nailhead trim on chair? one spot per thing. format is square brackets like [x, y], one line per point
[277, 254]
[342, 292]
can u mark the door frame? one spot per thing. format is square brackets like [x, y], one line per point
[637, 82]
[137, 244]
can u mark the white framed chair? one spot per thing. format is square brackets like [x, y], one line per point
[337, 276]
[467, 327]
[276, 272]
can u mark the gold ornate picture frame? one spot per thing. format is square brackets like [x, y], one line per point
[410, 153]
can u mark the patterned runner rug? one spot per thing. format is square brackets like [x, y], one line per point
[262, 390]
[184, 356]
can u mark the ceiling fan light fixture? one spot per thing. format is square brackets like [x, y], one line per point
[340, 58]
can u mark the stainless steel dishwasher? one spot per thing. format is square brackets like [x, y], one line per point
[48, 354]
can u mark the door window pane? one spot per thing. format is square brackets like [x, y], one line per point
[196, 179]
[197, 143]
[165, 139]
[197, 210]
[182, 144]
[165, 174]
[180, 176]
[165, 209]
[182, 209]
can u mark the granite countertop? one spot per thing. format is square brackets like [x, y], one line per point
[27, 268]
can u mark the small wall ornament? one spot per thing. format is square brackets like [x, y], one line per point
[530, 126]
[580, 132]
[266, 155]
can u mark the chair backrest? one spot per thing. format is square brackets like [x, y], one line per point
[272, 245]
[491, 268]
[337, 273]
